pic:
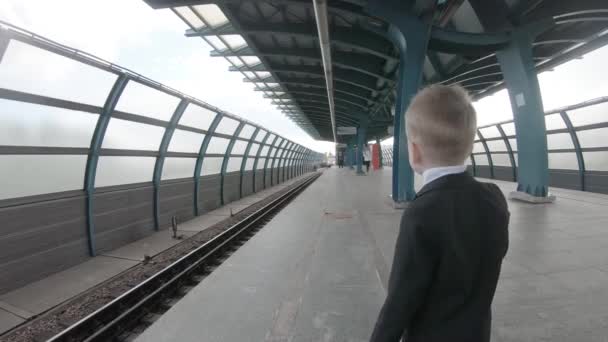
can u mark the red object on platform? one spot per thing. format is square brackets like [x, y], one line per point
[376, 156]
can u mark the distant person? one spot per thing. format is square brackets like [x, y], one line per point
[453, 236]
[340, 159]
[367, 157]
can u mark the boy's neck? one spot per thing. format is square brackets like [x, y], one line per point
[433, 173]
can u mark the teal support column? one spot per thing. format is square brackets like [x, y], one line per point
[361, 134]
[410, 36]
[380, 158]
[347, 160]
[244, 162]
[517, 64]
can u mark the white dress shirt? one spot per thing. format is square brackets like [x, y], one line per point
[438, 172]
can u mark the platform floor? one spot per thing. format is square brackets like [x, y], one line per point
[318, 270]
[20, 304]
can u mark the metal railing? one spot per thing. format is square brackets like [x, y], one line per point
[243, 160]
[577, 141]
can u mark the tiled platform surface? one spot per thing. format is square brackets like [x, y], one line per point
[315, 272]
[18, 305]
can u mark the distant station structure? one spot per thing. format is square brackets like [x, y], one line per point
[333, 65]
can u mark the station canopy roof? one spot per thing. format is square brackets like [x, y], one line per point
[275, 44]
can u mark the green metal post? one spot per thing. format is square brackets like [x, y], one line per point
[488, 154]
[361, 133]
[160, 160]
[94, 151]
[244, 161]
[509, 150]
[199, 161]
[577, 147]
[257, 158]
[271, 149]
[227, 158]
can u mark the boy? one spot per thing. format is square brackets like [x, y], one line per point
[453, 235]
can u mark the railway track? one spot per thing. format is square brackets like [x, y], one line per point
[125, 317]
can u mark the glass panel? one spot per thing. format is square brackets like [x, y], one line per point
[212, 14]
[234, 40]
[227, 126]
[513, 143]
[478, 148]
[251, 61]
[468, 161]
[593, 137]
[25, 124]
[249, 164]
[190, 17]
[28, 175]
[113, 170]
[197, 117]
[143, 100]
[239, 147]
[174, 168]
[211, 166]
[559, 141]
[234, 164]
[129, 135]
[260, 136]
[235, 60]
[264, 152]
[185, 141]
[565, 161]
[253, 150]
[249, 74]
[217, 145]
[247, 132]
[481, 159]
[554, 121]
[490, 132]
[596, 161]
[496, 145]
[264, 74]
[216, 43]
[516, 160]
[589, 115]
[271, 138]
[261, 163]
[32, 70]
[509, 128]
[501, 159]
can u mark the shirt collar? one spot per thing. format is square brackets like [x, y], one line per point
[438, 172]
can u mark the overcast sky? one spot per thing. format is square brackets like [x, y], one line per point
[151, 42]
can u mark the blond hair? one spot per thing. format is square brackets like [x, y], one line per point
[442, 121]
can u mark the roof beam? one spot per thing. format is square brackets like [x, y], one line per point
[358, 62]
[319, 92]
[315, 96]
[350, 38]
[365, 82]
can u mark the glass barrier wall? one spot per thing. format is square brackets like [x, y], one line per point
[71, 123]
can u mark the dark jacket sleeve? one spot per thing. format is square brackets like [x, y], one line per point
[410, 278]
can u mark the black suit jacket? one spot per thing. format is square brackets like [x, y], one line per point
[451, 244]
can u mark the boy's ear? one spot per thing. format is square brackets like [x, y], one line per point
[416, 157]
